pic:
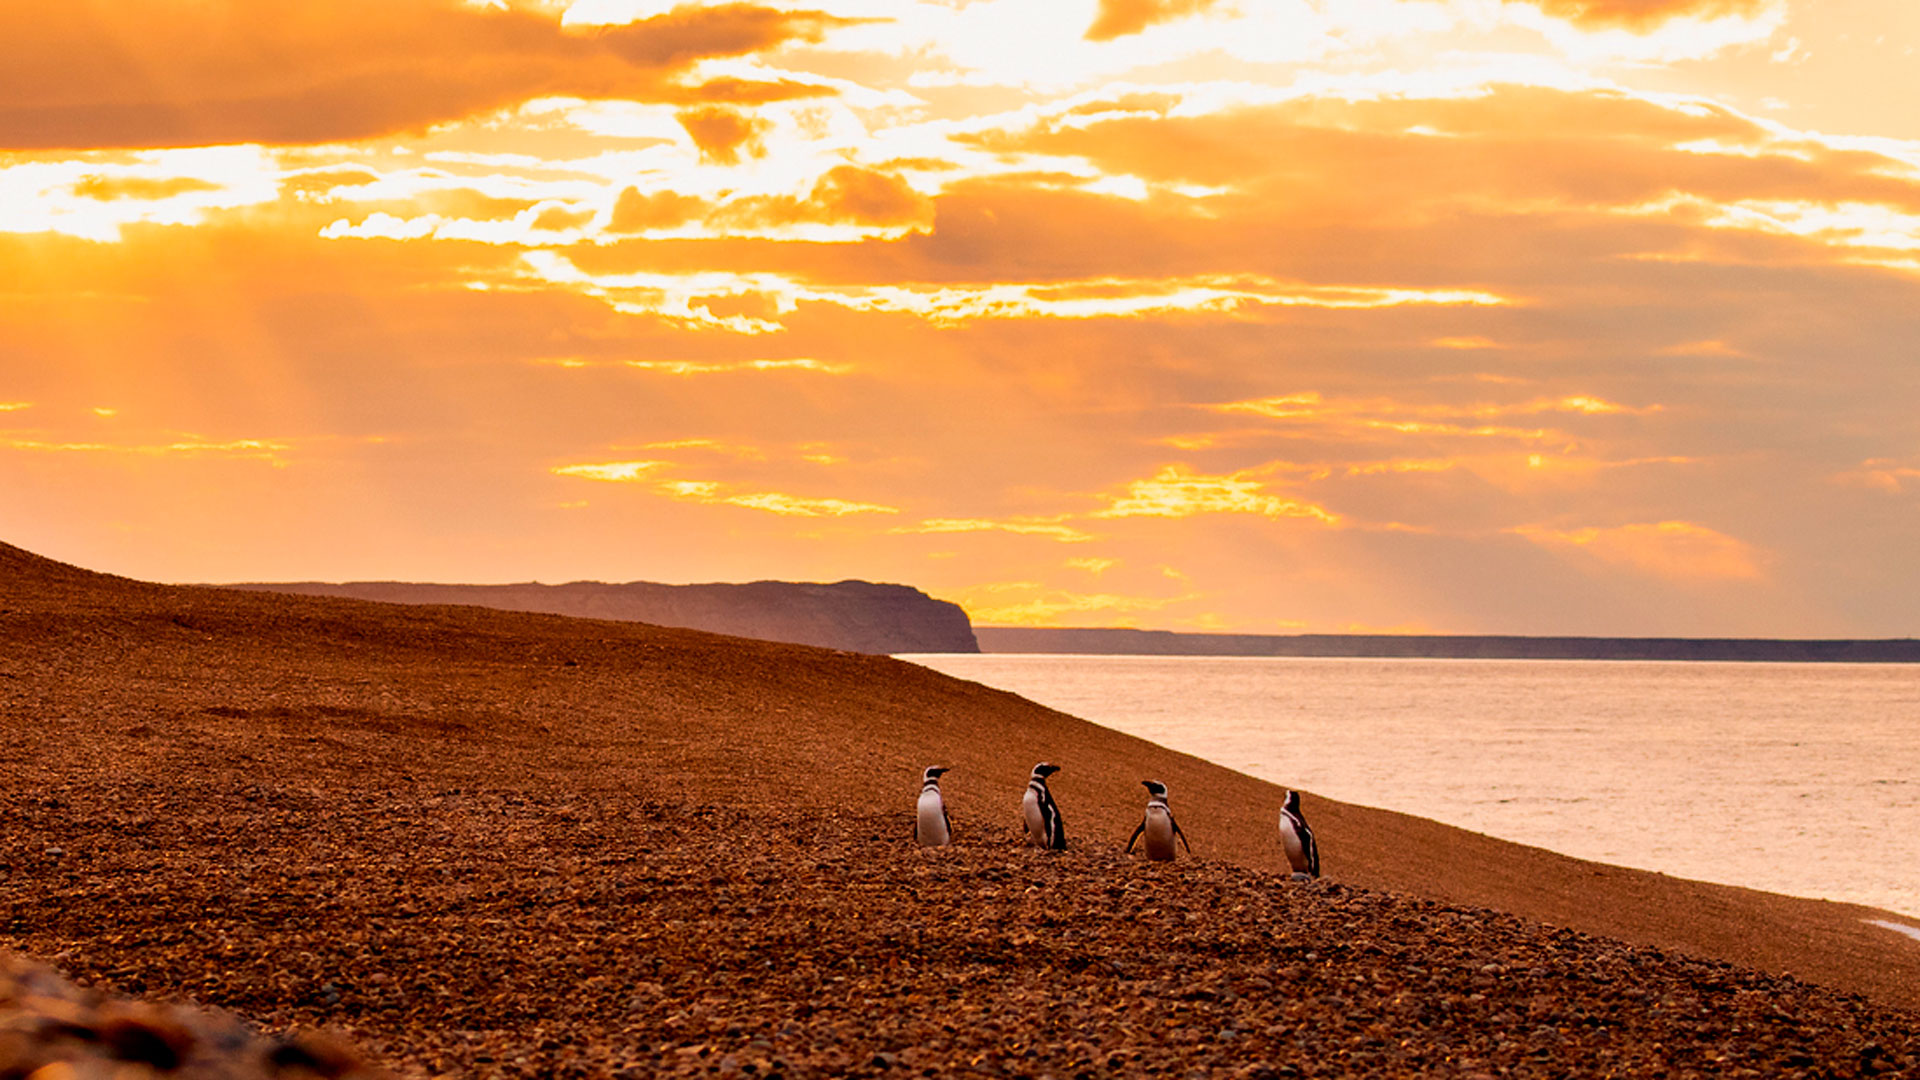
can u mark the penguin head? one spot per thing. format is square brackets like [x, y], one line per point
[1155, 788]
[934, 772]
[1293, 801]
[1045, 769]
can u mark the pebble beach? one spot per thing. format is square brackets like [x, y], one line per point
[448, 841]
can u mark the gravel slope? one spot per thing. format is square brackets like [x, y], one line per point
[489, 843]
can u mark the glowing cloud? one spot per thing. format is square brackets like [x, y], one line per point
[1377, 415]
[718, 494]
[1676, 550]
[189, 446]
[1177, 492]
[687, 299]
[708, 367]
[794, 505]
[612, 471]
[1052, 528]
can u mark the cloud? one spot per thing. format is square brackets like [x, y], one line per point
[1884, 474]
[154, 73]
[1373, 418]
[718, 494]
[1053, 528]
[1118, 18]
[639, 211]
[1027, 603]
[1178, 492]
[723, 134]
[686, 299]
[1675, 550]
[268, 450]
[707, 367]
[613, 471]
[109, 188]
[1642, 15]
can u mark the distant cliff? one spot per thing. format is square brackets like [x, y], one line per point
[856, 616]
[1114, 642]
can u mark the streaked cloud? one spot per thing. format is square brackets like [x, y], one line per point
[1675, 550]
[708, 367]
[688, 299]
[613, 471]
[710, 492]
[1886, 474]
[266, 450]
[1053, 528]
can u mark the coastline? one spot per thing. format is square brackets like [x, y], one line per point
[1118, 641]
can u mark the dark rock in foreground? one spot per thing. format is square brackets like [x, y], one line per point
[51, 1029]
[857, 616]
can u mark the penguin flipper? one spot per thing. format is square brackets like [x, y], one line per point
[1137, 830]
[947, 821]
[1182, 834]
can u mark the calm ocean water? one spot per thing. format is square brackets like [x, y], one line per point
[1794, 778]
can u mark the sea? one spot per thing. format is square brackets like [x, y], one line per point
[1793, 778]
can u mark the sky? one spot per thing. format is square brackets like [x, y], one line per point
[1424, 316]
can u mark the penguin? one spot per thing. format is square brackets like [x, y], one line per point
[1302, 853]
[1159, 825]
[1044, 828]
[931, 827]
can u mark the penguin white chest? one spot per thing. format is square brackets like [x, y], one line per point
[1290, 841]
[1036, 820]
[1159, 833]
[930, 828]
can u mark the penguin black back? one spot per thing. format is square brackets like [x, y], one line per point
[1045, 828]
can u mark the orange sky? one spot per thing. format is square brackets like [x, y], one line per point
[1477, 316]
